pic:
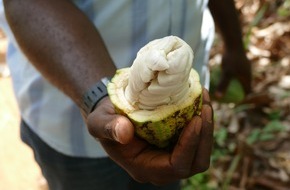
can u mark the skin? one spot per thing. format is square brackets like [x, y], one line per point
[68, 51]
[235, 63]
[191, 155]
[63, 45]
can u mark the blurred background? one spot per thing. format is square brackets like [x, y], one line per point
[252, 134]
[18, 171]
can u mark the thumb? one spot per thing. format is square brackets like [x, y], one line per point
[119, 129]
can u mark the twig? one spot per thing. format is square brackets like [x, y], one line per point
[268, 183]
[245, 172]
[230, 172]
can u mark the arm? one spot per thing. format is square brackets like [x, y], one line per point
[61, 43]
[234, 63]
[67, 49]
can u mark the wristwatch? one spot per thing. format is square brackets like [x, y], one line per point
[92, 97]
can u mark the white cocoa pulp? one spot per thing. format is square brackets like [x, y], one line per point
[160, 74]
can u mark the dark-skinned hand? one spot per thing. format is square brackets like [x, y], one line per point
[235, 65]
[146, 163]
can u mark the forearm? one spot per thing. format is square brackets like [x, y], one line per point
[227, 20]
[60, 42]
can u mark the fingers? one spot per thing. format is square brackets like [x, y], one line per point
[205, 97]
[103, 123]
[119, 129]
[147, 164]
[184, 151]
[202, 157]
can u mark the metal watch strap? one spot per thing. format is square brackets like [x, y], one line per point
[97, 92]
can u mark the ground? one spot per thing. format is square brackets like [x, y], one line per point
[18, 171]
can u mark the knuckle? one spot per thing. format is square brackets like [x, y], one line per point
[108, 131]
[91, 129]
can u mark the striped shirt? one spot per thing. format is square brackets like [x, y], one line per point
[125, 26]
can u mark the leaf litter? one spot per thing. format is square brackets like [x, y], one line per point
[252, 138]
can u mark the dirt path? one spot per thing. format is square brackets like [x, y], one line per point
[18, 171]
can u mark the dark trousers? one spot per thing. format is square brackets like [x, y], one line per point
[64, 172]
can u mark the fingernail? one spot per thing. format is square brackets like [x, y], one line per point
[197, 125]
[117, 131]
[208, 113]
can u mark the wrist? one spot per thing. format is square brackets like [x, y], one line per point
[94, 95]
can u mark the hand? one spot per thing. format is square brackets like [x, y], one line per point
[145, 163]
[235, 64]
